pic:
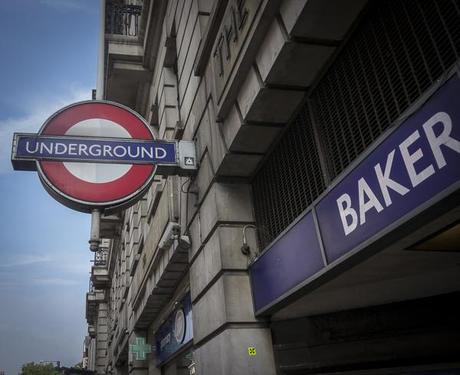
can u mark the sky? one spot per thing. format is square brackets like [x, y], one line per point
[48, 52]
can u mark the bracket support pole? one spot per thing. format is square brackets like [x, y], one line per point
[95, 240]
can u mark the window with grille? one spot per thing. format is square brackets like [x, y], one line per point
[397, 52]
[289, 181]
[399, 49]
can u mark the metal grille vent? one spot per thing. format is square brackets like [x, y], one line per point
[289, 181]
[393, 57]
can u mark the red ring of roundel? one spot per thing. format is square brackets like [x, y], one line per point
[99, 193]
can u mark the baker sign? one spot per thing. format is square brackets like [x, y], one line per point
[96, 156]
[414, 164]
[367, 199]
[410, 172]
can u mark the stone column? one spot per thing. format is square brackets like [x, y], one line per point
[227, 336]
[101, 339]
[153, 369]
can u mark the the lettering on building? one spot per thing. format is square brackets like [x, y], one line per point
[235, 25]
[229, 34]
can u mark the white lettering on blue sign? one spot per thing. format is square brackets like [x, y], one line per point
[367, 199]
[414, 168]
[78, 149]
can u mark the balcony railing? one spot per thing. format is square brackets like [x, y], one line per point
[100, 257]
[123, 19]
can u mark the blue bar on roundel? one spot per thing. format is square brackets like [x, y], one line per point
[88, 149]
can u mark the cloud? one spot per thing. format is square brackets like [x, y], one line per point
[51, 268]
[40, 281]
[78, 265]
[65, 5]
[25, 260]
[55, 281]
[33, 120]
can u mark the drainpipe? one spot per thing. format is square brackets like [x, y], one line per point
[95, 240]
[101, 53]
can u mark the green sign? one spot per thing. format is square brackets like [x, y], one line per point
[140, 349]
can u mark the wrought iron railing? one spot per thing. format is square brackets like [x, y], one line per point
[100, 257]
[122, 18]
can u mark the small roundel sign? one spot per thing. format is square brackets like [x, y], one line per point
[179, 326]
[95, 185]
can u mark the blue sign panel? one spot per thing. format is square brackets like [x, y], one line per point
[414, 167]
[175, 332]
[290, 260]
[95, 149]
[416, 162]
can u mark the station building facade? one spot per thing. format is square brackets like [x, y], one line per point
[321, 231]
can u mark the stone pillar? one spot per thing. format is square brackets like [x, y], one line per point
[101, 339]
[92, 355]
[153, 369]
[121, 370]
[227, 336]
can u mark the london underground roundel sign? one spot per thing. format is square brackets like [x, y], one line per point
[98, 155]
[80, 184]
